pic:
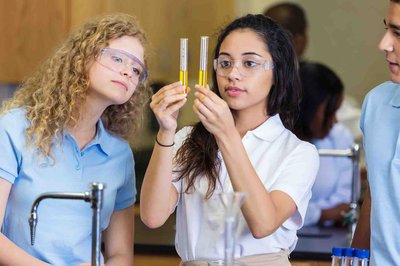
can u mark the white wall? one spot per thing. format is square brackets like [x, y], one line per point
[344, 34]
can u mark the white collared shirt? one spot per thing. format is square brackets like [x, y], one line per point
[282, 162]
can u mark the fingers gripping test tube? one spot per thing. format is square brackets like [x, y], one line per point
[203, 61]
[183, 70]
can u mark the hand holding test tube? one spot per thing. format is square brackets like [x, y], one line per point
[203, 61]
[183, 70]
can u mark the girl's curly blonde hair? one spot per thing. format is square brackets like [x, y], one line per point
[52, 97]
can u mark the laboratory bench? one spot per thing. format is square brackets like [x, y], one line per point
[314, 244]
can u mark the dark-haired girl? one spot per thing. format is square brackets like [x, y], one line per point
[242, 143]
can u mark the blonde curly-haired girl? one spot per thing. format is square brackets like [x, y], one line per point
[65, 128]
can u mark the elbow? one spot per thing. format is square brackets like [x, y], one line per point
[152, 222]
[261, 231]
[258, 234]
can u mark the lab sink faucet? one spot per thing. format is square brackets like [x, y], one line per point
[94, 196]
[351, 217]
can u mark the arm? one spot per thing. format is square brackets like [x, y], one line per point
[362, 234]
[334, 214]
[118, 238]
[316, 214]
[158, 196]
[11, 254]
[277, 206]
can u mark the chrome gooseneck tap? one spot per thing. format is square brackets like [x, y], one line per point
[351, 217]
[94, 196]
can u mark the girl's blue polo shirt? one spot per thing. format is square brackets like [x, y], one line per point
[63, 232]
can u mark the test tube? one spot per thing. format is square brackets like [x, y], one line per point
[203, 61]
[183, 70]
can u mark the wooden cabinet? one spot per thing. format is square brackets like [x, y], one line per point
[31, 30]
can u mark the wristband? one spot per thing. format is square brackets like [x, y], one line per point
[163, 145]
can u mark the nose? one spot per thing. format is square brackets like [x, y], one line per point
[386, 43]
[126, 71]
[234, 73]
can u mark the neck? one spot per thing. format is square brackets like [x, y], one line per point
[84, 130]
[246, 121]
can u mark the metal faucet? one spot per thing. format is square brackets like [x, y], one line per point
[351, 217]
[94, 196]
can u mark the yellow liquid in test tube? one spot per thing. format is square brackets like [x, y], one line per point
[203, 61]
[183, 69]
[183, 77]
[203, 78]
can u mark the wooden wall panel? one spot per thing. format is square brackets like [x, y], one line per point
[30, 30]
[165, 21]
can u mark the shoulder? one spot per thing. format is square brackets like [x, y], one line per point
[14, 115]
[14, 120]
[297, 148]
[382, 92]
[113, 144]
[307, 150]
[379, 102]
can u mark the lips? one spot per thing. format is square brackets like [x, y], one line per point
[233, 91]
[121, 83]
[392, 61]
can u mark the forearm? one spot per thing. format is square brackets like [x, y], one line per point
[362, 234]
[259, 209]
[334, 214]
[156, 198]
[12, 255]
[119, 238]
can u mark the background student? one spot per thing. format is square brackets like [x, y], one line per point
[317, 123]
[293, 18]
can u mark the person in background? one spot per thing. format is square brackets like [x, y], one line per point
[378, 226]
[294, 19]
[65, 128]
[242, 143]
[317, 123]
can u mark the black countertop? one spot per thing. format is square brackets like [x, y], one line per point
[315, 243]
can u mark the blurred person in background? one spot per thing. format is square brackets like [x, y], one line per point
[317, 123]
[293, 18]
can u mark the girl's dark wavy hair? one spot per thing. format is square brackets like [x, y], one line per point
[198, 156]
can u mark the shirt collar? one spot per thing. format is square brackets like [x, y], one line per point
[395, 101]
[101, 139]
[270, 129]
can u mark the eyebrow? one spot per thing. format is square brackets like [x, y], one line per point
[247, 53]
[390, 25]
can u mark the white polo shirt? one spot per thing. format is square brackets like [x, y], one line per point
[282, 162]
